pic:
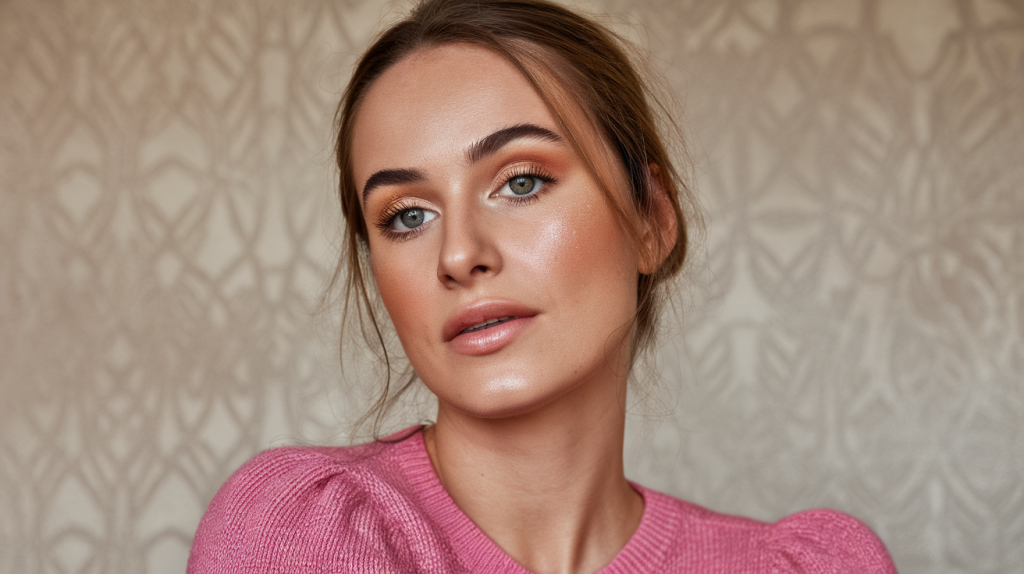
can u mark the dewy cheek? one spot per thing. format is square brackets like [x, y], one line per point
[577, 244]
[554, 247]
[402, 283]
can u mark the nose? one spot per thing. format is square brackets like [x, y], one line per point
[469, 251]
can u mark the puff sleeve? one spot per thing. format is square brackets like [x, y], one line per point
[292, 510]
[825, 542]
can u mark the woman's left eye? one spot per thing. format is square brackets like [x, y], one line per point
[522, 186]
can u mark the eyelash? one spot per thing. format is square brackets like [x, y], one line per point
[388, 215]
[530, 170]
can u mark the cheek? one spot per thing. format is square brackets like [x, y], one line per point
[581, 256]
[579, 242]
[401, 283]
[548, 248]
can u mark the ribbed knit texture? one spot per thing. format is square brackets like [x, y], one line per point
[380, 508]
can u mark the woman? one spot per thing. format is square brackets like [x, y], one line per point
[505, 185]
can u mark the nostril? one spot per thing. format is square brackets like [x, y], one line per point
[467, 252]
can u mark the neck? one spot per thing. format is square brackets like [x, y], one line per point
[548, 486]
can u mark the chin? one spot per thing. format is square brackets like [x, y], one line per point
[505, 396]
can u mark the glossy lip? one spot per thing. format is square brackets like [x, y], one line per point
[493, 338]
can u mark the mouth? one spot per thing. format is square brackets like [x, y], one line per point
[485, 318]
[486, 324]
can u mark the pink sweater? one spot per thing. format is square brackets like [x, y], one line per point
[380, 508]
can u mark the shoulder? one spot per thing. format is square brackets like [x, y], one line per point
[825, 541]
[291, 478]
[810, 542]
[315, 509]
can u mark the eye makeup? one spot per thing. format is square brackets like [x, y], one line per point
[533, 170]
[385, 221]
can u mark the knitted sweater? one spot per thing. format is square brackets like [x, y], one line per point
[380, 508]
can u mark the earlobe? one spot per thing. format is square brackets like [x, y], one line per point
[660, 230]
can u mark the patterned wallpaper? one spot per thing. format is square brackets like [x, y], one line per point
[857, 342]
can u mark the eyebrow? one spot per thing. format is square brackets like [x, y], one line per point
[391, 177]
[476, 152]
[503, 137]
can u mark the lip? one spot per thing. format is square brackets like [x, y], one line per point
[491, 339]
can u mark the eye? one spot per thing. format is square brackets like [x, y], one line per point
[523, 185]
[409, 219]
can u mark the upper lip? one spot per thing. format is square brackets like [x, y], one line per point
[483, 310]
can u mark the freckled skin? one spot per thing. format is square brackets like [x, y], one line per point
[528, 439]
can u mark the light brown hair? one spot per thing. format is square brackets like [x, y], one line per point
[583, 73]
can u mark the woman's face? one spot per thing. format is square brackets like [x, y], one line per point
[507, 275]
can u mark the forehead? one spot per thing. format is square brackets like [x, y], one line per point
[438, 101]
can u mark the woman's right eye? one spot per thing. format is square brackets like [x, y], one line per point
[410, 219]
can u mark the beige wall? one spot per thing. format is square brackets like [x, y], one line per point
[166, 223]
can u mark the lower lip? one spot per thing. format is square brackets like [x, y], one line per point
[489, 340]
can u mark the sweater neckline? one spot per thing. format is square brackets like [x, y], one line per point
[644, 551]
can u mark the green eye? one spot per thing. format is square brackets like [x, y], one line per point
[409, 219]
[522, 185]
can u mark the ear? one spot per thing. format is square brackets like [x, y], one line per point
[660, 230]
